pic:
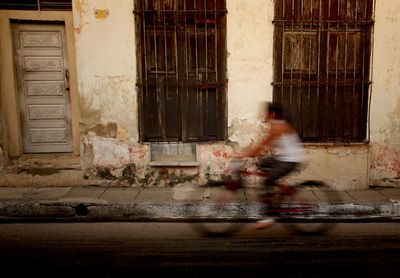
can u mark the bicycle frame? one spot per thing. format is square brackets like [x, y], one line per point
[287, 203]
[282, 191]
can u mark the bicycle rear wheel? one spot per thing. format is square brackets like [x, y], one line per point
[307, 210]
[223, 213]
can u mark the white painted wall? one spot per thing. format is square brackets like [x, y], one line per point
[106, 63]
[385, 103]
[250, 71]
[249, 42]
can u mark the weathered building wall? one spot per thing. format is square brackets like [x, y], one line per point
[385, 103]
[250, 67]
[106, 55]
[106, 58]
[105, 46]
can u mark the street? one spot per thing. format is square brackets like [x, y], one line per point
[174, 249]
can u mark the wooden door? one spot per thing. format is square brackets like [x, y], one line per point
[43, 87]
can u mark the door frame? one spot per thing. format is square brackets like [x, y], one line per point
[8, 77]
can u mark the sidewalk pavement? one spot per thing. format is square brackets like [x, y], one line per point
[181, 203]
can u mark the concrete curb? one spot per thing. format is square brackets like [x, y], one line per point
[94, 210]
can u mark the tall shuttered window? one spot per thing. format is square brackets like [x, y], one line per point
[322, 51]
[182, 69]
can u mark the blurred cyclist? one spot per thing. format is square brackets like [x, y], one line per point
[286, 148]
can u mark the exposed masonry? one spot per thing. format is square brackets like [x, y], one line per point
[81, 10]
[106, 155]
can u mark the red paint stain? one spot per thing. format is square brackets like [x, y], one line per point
[140, 152]
[221, 153]
[387, 160]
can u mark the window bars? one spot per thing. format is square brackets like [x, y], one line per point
[182, 67]
[41, 5]
[322, 51]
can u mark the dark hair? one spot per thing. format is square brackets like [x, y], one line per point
[275, 108]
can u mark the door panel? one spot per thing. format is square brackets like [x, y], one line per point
[43, 87]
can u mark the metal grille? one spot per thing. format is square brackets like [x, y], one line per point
[182, 69]
[41, 5]
[322, 51]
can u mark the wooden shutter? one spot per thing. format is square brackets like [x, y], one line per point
[322, 61]
[182, 69]
[43, 5]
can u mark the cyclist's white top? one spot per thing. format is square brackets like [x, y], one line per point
[288, 147]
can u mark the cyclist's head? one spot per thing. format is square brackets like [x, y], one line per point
[275, 110]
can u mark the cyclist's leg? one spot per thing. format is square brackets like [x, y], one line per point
[276, 170]
[270, 166]
[270, 196]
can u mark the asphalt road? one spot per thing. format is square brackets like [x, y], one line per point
[174, 250]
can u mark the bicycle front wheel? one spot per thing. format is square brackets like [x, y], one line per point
[222, 213]
[307, 210]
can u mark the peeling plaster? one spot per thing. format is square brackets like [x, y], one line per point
[81, 7]
[387, 162]
[109, 99]
[107, 131]
[213, 159]
[109, 153]
[114, 160]
[90, 116]
[244, 133]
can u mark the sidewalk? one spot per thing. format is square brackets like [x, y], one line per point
[94, 203]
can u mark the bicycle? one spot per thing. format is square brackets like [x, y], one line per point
[229, 209]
